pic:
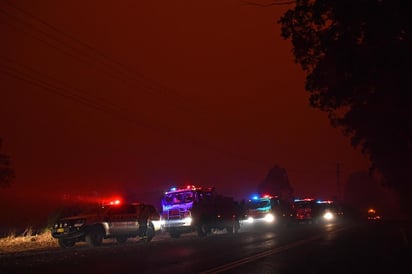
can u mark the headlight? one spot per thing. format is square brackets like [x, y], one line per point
[79, 223]
[269, 218]
[158, 224]
[250, 220]
[187, 220]
[328, 216]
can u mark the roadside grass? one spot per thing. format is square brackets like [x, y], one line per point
[28, 240]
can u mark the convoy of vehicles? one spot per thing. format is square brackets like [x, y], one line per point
[185, 210]
[116, 220]
[309, 210]
[197, 209]
[268, 209]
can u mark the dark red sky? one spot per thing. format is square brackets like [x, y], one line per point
[107, 95]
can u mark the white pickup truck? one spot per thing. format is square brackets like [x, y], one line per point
[116, 221]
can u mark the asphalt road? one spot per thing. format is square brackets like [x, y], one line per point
[346, 247]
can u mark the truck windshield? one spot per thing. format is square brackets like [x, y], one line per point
[303, 205]
[256, 204]
[181, 197]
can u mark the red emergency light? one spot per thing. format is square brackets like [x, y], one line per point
[112, 201]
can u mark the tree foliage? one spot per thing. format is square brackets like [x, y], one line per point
[276, 183]
[358, 59]
[6, 172]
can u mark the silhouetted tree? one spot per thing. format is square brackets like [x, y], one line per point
[276, 183]
[358, 59]
[6, 172]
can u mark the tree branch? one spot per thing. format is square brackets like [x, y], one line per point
[280, 3]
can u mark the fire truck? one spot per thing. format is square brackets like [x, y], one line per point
[268, 209]
[198, 209]
[310, 210]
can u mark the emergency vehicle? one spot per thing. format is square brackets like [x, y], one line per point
[198, 209]
[309, 210]
[109, 220]
[268, 209]
[259, 209]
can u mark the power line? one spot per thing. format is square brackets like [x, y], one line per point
[69, 50]
[75, 48]
[105, 60]
[89, 55]
[69, 93]
[7, 62]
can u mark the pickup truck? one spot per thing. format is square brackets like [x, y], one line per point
[115, 221]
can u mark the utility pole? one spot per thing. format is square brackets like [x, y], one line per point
[338, 180]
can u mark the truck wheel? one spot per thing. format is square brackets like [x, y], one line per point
[234, 228]
[237, 226]
[66, 243]
[94, 236]
[202, 230]
[174, 234]
[121, 239]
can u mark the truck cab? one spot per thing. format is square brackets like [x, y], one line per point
[197, 209]
[268, 209]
